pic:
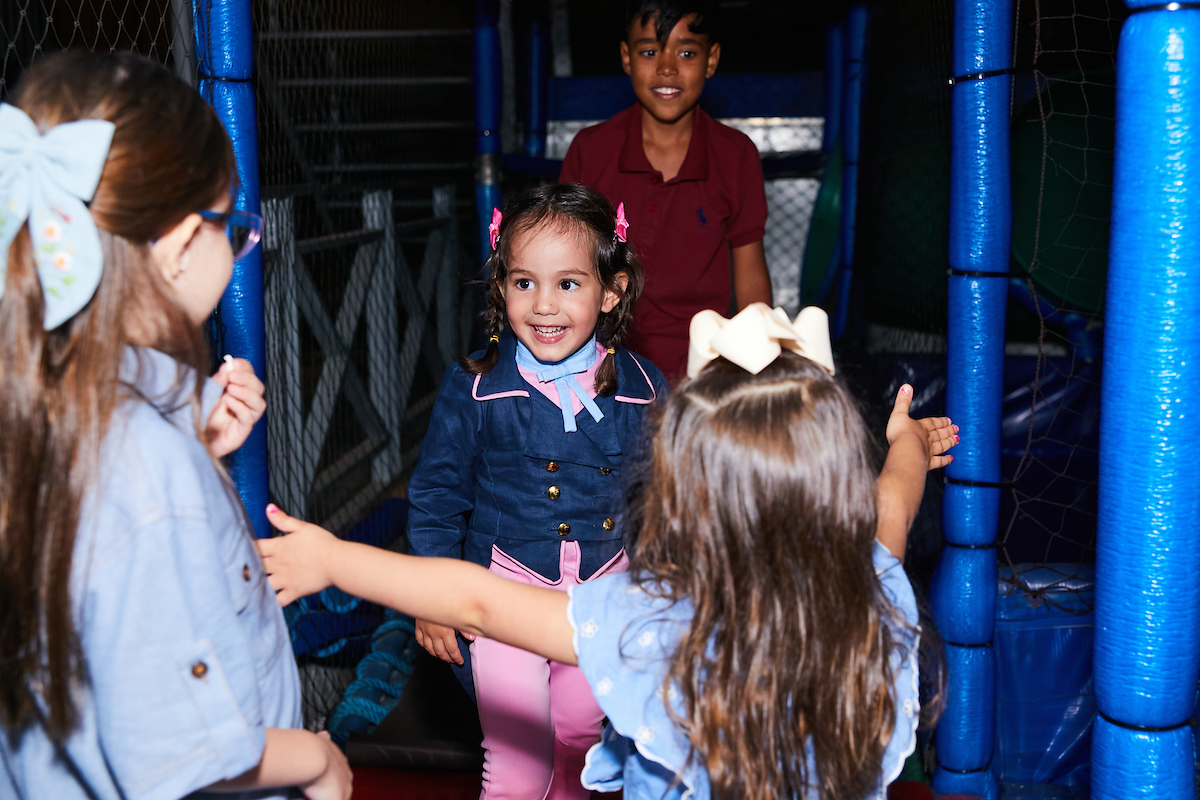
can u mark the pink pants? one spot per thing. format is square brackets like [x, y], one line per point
[538, 717]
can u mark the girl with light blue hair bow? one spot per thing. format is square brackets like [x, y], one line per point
[144, 655]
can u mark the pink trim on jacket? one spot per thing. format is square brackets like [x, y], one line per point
[638, 401]
[513, 393]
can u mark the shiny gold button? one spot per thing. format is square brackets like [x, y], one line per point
[605, 470]
[246, 572]
[552, 466]
[553, 493]
[199, 669]
[609, 524]
[563, 529]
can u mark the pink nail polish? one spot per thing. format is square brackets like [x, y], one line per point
[956, 438]
[272, 508]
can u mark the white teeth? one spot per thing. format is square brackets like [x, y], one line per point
[549, 331]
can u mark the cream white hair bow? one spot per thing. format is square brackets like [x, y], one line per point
[757, 335]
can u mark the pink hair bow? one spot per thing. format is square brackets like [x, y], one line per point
[622, 223]
[494, 228]
[757, 335]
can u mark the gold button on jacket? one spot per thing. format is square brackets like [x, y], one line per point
[563, 529]
[553, 493]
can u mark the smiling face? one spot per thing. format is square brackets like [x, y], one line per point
[669, 76]
[551, 294]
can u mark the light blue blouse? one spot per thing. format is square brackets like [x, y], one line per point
[624, 638]
[186, 646]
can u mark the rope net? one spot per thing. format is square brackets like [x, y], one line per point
[365, 146]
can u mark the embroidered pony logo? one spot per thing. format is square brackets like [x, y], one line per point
[703, 219]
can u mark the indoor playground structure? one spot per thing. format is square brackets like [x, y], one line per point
[995, 201]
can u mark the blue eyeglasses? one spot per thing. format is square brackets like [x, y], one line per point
[244, 229]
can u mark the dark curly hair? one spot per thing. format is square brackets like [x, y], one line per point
[577, 209]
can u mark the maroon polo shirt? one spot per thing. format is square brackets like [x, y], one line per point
[681, 229]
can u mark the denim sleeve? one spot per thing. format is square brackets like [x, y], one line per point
[441, 492]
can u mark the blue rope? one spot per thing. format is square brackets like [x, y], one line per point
[369, 698]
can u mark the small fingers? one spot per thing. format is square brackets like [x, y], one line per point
[937, 462]
[281, 521]
[904, 399]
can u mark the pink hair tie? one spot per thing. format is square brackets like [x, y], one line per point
[622, 223]
[494, 228]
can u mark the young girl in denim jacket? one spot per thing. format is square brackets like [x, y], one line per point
[522, 469]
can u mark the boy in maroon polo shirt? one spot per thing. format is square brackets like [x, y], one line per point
[692, 187]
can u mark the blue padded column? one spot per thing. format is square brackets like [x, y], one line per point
[855, 66]
[488, 97]
[539, 84]
[225, 56]
[835, 71]
[963, 594]
[1147, 646]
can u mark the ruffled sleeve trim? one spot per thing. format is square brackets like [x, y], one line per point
[628, 695]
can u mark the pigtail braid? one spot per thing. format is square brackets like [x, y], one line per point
[613, 328]
[493, 321]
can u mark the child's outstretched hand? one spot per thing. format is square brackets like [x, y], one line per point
[938, 434]
[240, 407]
[440, 641]
[296, 564]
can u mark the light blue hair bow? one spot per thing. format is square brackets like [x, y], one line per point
[45, 181]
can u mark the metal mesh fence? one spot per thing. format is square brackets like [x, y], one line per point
[365, 144]
[158, 29]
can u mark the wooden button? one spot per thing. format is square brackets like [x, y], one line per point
[605, 470]
[553, 493]
[609, 524]
[563, 529]
[199, 669]
[552, 466]
[246, 572]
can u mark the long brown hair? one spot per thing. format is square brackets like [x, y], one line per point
[58, 389]
[760, 512]
[575, 210]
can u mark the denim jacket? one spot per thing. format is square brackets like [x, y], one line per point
[497, 468]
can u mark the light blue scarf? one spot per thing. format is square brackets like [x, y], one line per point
[563, 375]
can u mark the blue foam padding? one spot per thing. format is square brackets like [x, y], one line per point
[855, 67]
[1128, 764]
[963, 594]
[224, 39]
[980, 240]
[1044, 701]
[966, 731]
[241, 306]
[835, 71]
[538, 89]
[1147, 654]
[980, 784]
[488, 77]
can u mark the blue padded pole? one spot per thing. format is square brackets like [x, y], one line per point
[488, 98]
[855, 66]
[835, 71]
[225, 56]
[539, 80]
[963, 594]
[1147, 645]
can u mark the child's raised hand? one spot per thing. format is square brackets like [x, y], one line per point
[937, 434]
[241, 405]
[296, 564]
[440, 641]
